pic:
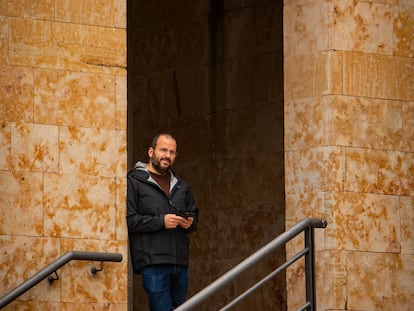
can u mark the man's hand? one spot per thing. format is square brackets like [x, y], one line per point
[186, 222]
[171, 221]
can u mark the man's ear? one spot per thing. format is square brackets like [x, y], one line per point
[150, 151]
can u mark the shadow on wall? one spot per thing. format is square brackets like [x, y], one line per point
[212, 75]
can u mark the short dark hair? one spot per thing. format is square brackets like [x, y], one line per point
[155, 139]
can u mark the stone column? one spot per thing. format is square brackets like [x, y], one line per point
[349, 149]
[63, 149]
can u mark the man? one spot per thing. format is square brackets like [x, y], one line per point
[161, 212]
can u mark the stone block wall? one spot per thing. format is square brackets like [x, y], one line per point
[348, 118]
[349, 77]
[63, 149]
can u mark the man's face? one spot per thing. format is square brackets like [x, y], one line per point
[162, 157]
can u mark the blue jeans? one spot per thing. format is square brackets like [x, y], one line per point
[165, 285]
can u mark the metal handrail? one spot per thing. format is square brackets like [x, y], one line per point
[53, 267]
[307, 225]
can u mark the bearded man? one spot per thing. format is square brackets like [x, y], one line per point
[161, 212]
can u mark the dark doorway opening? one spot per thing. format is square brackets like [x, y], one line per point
[211, 73]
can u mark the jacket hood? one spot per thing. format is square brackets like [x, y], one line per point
[141, 166]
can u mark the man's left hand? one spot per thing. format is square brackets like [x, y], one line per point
[186, 222]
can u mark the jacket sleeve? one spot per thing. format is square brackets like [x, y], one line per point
[136, 222]
[191, 206]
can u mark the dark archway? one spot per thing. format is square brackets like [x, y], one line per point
[211, 73]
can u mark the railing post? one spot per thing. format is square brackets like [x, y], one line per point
[310, 267]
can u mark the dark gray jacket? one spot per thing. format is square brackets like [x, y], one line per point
[150, 243]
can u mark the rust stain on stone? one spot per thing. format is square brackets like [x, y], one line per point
[101, 61]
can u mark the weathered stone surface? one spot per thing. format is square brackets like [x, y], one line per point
[63, 149]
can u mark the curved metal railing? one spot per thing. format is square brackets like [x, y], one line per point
[307, 226]
[53, 267]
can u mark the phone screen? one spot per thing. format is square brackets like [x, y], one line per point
[189, 214]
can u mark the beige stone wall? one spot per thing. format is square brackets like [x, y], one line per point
[349, 77]
[348, 148]
[63, 149]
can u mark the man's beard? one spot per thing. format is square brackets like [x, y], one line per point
[156, 164]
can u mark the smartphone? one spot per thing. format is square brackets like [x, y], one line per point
[188, 214]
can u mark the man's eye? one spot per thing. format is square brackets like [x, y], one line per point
[171, 152]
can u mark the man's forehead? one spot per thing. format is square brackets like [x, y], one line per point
[166, 140]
